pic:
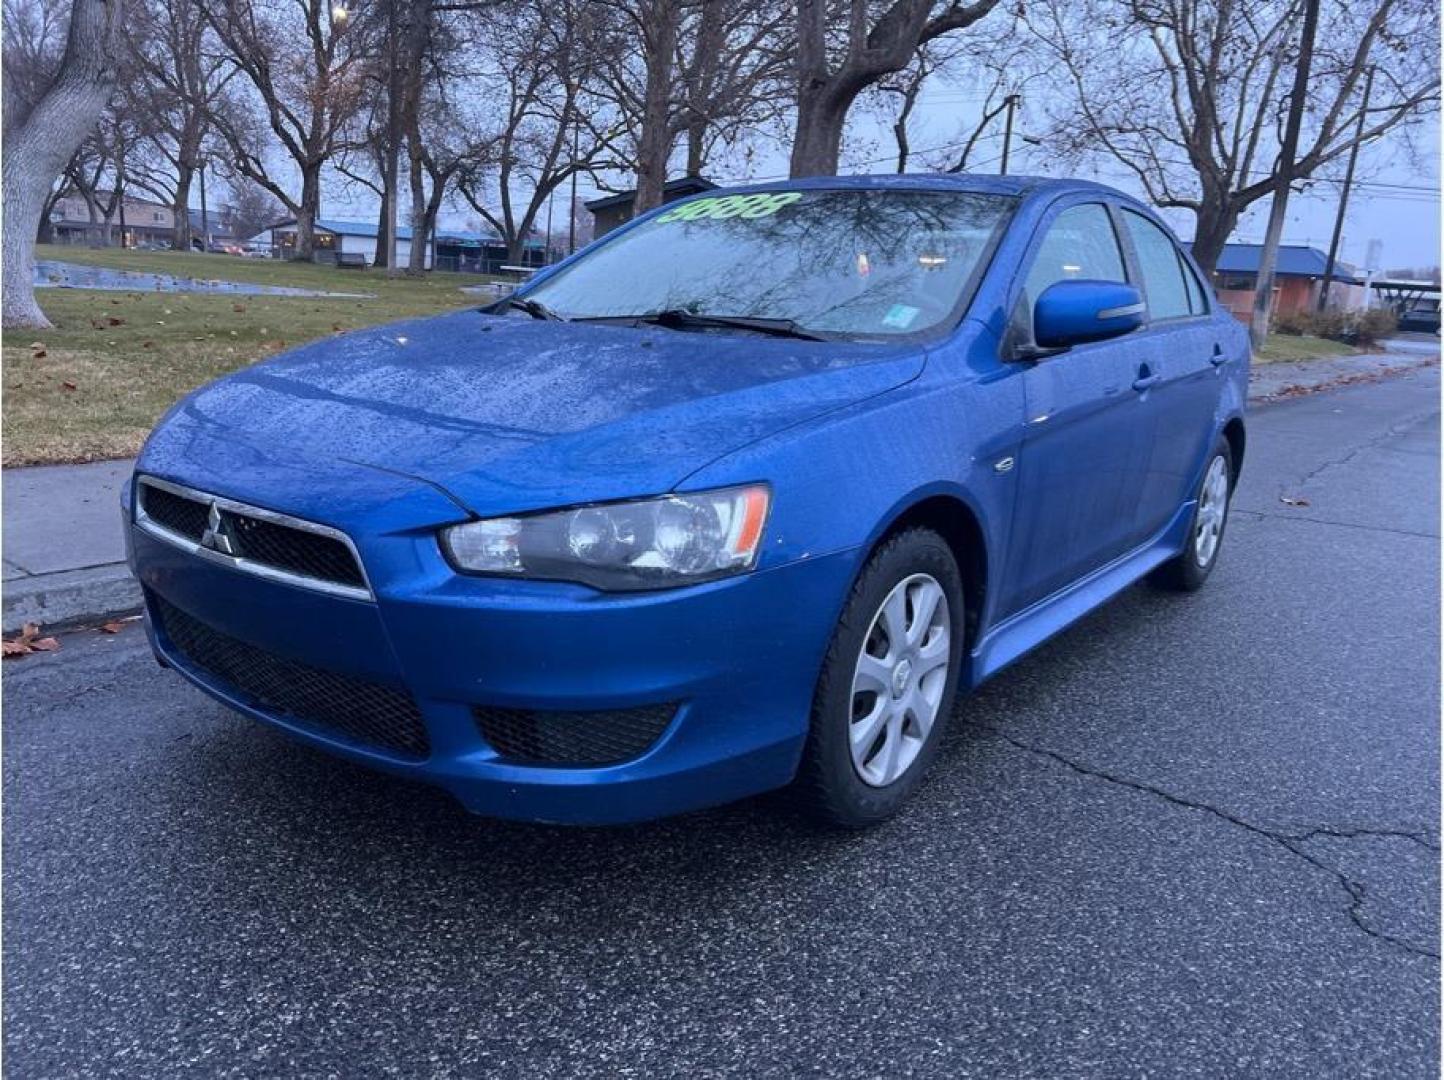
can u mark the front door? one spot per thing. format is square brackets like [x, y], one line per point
[1085, 447]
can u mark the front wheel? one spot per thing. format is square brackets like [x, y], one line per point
[887, 683]
[1191, 567]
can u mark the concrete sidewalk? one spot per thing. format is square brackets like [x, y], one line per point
[64, 552]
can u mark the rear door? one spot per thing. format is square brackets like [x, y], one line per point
[1185, 355]
[1086, 441]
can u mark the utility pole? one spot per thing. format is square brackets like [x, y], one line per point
[1344, 195]
[205, 221]
[572, 209]
[1264, 285]
[1010, 103]
[551, 201]
[390, 181]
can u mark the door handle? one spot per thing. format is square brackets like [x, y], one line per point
[1143, 382]
[1218, 359]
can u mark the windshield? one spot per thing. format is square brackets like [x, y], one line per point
[873, 263]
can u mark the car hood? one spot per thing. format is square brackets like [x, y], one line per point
[510, 414]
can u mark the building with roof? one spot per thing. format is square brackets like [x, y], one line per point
[471, 252]
[132, 222]
[1298, 278]
[614, 210]
[334, 237]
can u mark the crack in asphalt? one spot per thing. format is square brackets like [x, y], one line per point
[1262, 515]
[1393, 431]
[1290, 842]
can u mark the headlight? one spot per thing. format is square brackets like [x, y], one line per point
[648, 544]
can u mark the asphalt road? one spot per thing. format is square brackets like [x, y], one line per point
[1194, 836]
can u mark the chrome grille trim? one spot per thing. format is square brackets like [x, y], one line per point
[251, 566]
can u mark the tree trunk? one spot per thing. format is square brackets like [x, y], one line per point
[181, 208]
[696, 146]
[821, 114]
[37, 151]
[655, 145]
[1214, 222]
[416, 264]
[306, 214]
[379, 260]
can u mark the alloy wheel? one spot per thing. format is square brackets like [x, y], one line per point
[897, 686]
[1212, 509]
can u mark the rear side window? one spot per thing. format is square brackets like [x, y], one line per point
[1164, 285]
[1197, 302]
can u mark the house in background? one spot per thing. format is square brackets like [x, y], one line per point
[1298, 277]
[614, 210]
[141, 221]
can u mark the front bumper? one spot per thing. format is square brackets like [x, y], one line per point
[739, 658]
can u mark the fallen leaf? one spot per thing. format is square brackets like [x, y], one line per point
[28, 641]
[114, 320]
[68, 385]
[115, 626]
[1292, 500]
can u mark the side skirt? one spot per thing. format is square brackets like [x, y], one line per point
[1032, 626]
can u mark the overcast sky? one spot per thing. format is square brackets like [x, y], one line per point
[1396, 201]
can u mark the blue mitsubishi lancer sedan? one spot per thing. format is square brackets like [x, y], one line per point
[738, 497]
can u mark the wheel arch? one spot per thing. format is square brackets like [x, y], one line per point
[1237, 438]
[956, 521]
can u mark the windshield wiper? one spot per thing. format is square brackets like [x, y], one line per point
[682, 319]
[535, 308]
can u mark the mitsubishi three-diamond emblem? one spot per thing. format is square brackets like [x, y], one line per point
[215, 536]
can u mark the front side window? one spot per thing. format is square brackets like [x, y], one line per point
[1080, 244]
[857, 263]
[1164, 286]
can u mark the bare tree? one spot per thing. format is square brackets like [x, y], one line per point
[306, 69]
[1189, 96]
[179, 81]
[253, 209]
[842, 49]
[544, 126]
[39, 143]
[703, 71]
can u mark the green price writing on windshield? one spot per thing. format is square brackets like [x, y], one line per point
[717, 207]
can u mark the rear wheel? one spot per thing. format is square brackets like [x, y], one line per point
[887, 683]
[1191, 567]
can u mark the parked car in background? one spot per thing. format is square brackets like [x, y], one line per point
[737, 497]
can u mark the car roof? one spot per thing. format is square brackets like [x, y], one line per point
[986, 184]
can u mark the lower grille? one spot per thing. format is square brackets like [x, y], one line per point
[365, 712]
[572, 738]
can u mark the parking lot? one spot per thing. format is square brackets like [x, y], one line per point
[1191, 836]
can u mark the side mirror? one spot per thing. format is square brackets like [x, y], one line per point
[1078, 311]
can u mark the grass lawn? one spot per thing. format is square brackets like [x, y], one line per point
[1299, 347]
[94, 385]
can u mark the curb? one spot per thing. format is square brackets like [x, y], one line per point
[93, 594]
[1325, 379]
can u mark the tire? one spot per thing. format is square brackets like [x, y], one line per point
[1188, 570]
[904, 579]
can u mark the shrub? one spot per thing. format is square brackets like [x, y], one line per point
[1360, 328]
